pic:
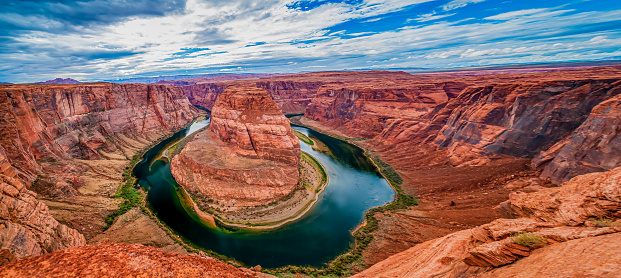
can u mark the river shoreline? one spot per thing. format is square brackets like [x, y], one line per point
[238, 233]
[217, 220]
[362, 232]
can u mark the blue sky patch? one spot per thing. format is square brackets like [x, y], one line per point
[92, 40]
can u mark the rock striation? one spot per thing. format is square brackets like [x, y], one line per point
[458, 152]
[595, 146]
[26, 226]
[249, 156]
[292, 96]
[365, 109]
[70, 144]
[122, 260]
[562, 217]
[80, 121]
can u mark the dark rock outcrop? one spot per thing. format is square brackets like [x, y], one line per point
[595, 146]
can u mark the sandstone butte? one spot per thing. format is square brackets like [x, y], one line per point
[248, 157]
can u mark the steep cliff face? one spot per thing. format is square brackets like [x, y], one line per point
[26, 226]
[595, 146]
[24, 135]
[248, 119]
[107, 109]
[292, 96]
[365, 109]
[70, 144]
[562, 217]
[77, 121]
[249, 156]
[122, 260]
[204, 94]
[518, 120]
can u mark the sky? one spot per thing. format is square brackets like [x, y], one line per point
[92, 40]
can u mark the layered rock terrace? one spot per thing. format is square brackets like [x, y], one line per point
[249, 156]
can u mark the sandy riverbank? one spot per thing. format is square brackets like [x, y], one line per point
[313, 180]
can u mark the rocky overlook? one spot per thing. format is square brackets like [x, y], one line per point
[566, 221]
[249, 156]
[122, 260]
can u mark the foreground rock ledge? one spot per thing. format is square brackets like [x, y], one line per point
[248, 157]
[576, 241]
[121, 260]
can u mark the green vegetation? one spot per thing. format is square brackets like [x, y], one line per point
[303, 137]
[310, 159]
[131, 196]
[402, 200]
[390, 173]
[528, 239]
[602, 222]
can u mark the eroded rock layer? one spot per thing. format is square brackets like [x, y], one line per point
[26, 226]
[292, 93]
[122, 260]
[249, 156]
[567, 218]
[291, 96]
[71, 144]
[79, 121]
[467, 150]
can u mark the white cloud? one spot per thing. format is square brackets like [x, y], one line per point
[515, 14]
[227, 27]
[430, 17]
[456, 4]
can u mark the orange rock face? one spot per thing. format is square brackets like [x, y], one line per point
[248, 157]
[44, 127]
[73, 121]
[26, 226]
[595, 146]
[365, 109]
[122, 260]
[555, 214]
[292, 96]
[248, 119]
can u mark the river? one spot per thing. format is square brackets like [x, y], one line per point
[313, 240]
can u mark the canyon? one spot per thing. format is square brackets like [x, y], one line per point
[491, 156]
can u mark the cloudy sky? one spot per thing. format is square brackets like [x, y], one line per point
[96, 40]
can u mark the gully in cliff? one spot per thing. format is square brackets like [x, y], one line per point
[246, 168]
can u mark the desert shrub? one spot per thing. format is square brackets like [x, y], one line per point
[528, 239]
[602, 222]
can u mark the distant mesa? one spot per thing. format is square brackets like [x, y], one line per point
[248, 157]
[60, 81]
